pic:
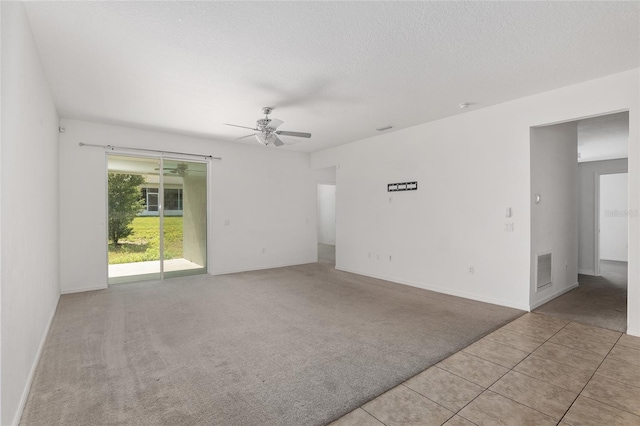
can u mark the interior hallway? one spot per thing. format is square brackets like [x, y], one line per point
[598, 301]
[327, 254]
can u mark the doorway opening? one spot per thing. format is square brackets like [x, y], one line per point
[157, 218]
[326, 223]
[612, 239]
[584, 221]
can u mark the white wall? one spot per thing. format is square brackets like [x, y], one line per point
[29, 188]
[327, 214]
[268, 195]
[588, 173]
[469, 169]
[614, 211]
[554, 224]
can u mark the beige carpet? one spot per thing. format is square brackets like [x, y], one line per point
[598, 301]
[301, 345]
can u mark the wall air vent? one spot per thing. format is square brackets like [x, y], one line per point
[543, 277]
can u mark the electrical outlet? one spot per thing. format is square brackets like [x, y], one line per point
[472, 270]
[390, 258]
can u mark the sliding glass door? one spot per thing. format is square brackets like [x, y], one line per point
[185, 218]
[157, 218]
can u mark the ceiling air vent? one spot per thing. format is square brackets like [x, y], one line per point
[544, 270]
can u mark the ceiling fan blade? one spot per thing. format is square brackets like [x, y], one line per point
[296, 134]
[274, 123]
[277, 141]
[244, 137]
[242, 127]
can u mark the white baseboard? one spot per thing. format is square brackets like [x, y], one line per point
[633, 331]
[258, 268]
[443, 290]
[587, 272]
[80, 290]
[32, 373]
[552, 296]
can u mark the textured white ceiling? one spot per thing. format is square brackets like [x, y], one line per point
[604, 138]
[335, 69]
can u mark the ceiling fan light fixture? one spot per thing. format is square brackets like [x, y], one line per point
[267, 132]
[265, 138]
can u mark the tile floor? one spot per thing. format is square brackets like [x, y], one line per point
[536, 370]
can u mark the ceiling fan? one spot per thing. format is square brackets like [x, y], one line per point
[180, 169]
[266, 130]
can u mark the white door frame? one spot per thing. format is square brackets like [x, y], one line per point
[325, 182]
[596, 230]
[160, 156]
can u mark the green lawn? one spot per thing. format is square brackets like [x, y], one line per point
[144, 243]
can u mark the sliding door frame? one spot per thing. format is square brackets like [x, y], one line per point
[160, 157]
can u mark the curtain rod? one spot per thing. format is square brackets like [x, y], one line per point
[113, 147]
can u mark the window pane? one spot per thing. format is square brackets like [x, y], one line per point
[171, 199]
[152, 202]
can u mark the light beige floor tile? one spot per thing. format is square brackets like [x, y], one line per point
[447, 389]
[536, 325]
[458, 421]
[621, 371]
[493, 409]
[474, 369]
[565, 355]
[614, 393]
[516, 340]
[540, 332]
[357, 417]
[626, 354]
[595, 333]
[402, 406]
[568, 377]
[541, 396]
[581, 341]
[587, 412]
[629, 341]
[495, 352]
[543, 320]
